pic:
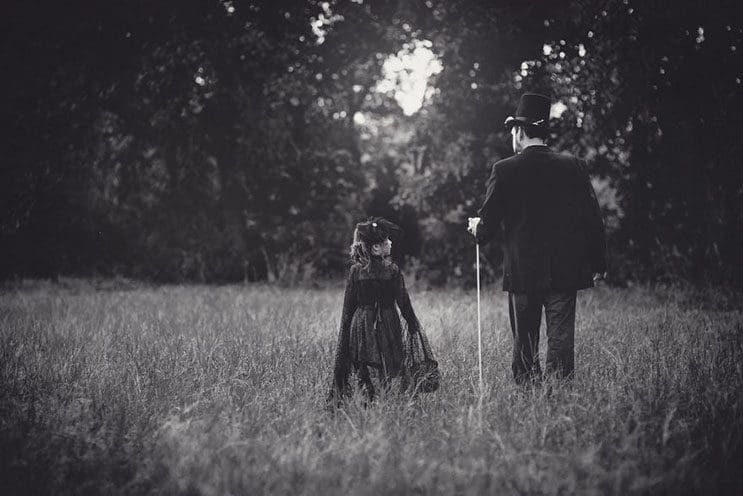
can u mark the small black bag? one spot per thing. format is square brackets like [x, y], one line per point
[422, 368]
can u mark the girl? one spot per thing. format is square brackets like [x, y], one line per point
[372, 339]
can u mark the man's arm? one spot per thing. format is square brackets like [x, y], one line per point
[594, 224]
[491, 212]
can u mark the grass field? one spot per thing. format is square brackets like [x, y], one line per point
[220, 390]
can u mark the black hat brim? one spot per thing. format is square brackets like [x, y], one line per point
[514, 121]
[521, 121]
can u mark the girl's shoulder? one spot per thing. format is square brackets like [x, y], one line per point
[386, 269]
[392, 267]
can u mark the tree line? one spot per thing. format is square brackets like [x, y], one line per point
[222, 141]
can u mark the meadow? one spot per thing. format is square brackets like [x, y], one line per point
[221, 390]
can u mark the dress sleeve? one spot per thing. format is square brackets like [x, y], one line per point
[342, 366]
[491, 211]
[350, 301]
[403, 302]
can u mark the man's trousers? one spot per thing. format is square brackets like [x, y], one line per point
[525, 311]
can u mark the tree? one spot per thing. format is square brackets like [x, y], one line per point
[653, 96]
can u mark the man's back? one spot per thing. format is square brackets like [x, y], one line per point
[554, 240]
[553, 233]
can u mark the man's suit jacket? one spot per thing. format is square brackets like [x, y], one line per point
[553, 233]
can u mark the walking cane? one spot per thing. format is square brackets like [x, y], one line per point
[473, 222]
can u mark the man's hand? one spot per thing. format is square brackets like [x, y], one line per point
[472, 223]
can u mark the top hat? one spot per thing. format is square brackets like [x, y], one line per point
[533, 110]
[377, 230]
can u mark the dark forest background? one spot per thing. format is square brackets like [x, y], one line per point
[221, 141]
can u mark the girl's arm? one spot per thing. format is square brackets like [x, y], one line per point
[349, 300]
[342, 366]
[403, 301]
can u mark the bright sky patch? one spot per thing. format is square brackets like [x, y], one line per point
[406, 74]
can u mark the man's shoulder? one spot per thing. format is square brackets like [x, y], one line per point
[506, 163]
[566, 156]
[560, 156]
[567, 160]
[570, 162]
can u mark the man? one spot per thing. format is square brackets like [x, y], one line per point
[553, 239]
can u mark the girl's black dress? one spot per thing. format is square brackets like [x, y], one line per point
[372, 334]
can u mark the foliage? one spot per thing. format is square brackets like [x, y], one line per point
[653, 96]
[218, 141]
[218, 146]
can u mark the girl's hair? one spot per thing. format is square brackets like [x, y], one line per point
[360, 252]
[366, 234]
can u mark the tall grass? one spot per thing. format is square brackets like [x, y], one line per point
[220, 390]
